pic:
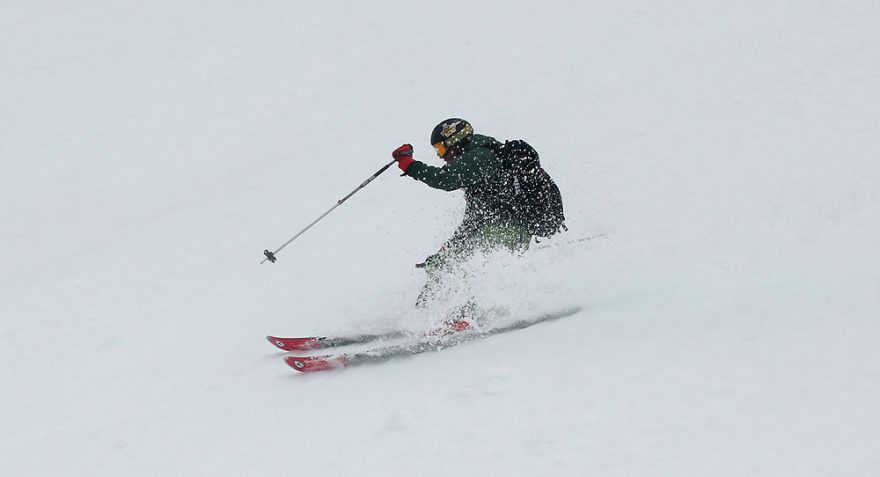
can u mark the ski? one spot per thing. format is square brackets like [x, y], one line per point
[310, 343]
[307, 364]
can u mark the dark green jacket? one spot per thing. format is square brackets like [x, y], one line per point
[487, 185]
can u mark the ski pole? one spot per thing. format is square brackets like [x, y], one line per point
[573, 241]
[270, 256]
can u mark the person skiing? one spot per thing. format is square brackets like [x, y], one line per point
[472, 165]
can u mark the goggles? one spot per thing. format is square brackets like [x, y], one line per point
[441, 149]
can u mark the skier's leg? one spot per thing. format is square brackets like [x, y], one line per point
[439, 267]
[442, 265]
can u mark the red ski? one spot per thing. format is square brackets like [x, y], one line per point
[310, 343]
[307, 364]
[297, 344]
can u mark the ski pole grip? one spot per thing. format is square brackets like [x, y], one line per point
[402, 151]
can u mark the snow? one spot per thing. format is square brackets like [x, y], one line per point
[151, 151]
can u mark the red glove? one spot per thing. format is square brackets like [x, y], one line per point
[403, 154]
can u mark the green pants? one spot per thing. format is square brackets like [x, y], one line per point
[461, 247]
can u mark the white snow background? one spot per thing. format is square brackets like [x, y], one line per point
[151, 150]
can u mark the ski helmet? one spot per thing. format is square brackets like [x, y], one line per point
[451, 132]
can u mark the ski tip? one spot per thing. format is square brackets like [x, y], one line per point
[295, 344]
[307, 364]
[275, 341]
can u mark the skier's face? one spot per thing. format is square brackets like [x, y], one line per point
[447, 154]
[441, 149]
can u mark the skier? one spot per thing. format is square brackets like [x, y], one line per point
[489, 222]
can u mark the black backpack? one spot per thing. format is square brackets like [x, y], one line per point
[538, 202]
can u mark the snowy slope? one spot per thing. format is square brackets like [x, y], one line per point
[151, 150]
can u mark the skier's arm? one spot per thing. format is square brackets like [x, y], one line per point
[446, 178]
[464, 171]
